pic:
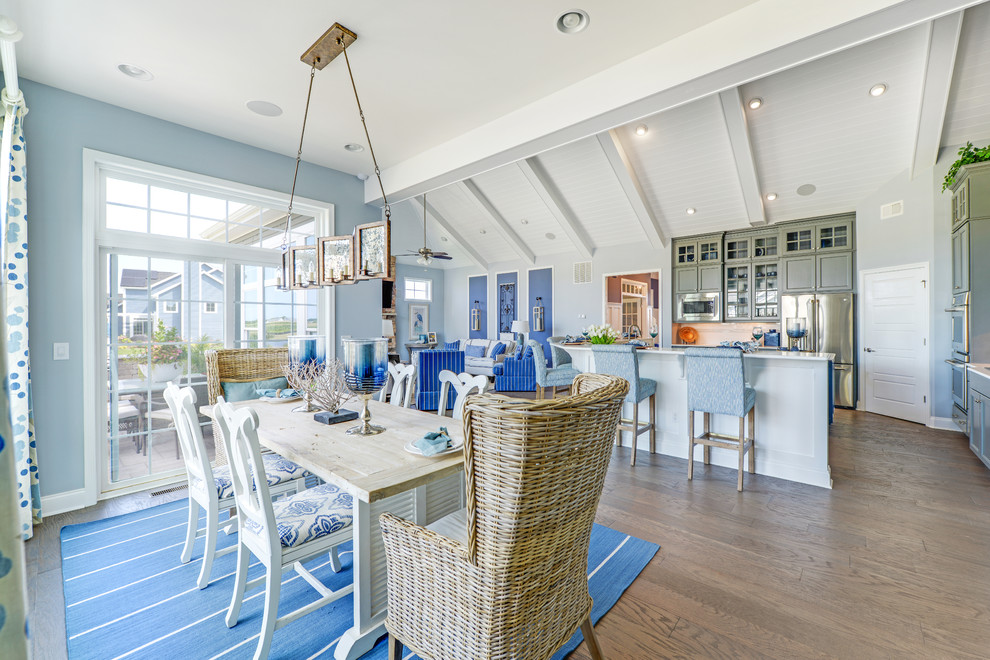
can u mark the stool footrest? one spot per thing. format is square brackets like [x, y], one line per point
[722, 440]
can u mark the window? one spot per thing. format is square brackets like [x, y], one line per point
[183, 264]
[419, 289]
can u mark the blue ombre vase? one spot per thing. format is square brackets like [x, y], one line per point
[365, 372]
[306, 350]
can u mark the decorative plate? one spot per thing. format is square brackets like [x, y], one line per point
[284, 399]
[412, 449]
[687, 334]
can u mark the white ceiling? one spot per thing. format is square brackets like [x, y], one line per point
[456, 94]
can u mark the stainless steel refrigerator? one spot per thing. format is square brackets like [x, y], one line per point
[830, 330]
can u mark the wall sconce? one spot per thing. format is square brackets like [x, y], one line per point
[538, 315]
[476, 316]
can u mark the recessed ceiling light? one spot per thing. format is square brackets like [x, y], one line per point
[264, 108]
[755, 103]
[134, 71]
[524, 221]
[878, 89]
[806, 189]
[550, 236]
[353, 146]
[642, 129]
[572, 21]
[771, 196]
[691, 210]
[482, 231]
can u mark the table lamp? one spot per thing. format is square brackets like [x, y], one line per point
[365, 372]
[520, 328]
[387, 330]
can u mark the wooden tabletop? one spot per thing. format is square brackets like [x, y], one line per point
[370, 467]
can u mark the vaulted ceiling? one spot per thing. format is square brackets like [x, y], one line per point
[524, 138]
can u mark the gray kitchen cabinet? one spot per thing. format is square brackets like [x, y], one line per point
[960, 259]
[695, 279]
[766, 301]
[798, 274]
[833, 235]
[977, 418]
[710, 278]
[738, 248]
[686, 280]
[765, 246]
[835, 271]
[971, 193]
[799, 239]
[737, 292]
[699, 250]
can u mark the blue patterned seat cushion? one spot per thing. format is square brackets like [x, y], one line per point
[716, 381]
[563, 376]
[278, 470]
[308, 515]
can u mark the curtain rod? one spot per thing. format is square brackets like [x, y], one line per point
[9, 35]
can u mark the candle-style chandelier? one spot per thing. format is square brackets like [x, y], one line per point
[333, 260]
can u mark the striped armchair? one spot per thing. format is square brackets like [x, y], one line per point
[516, 374]
[431, 363]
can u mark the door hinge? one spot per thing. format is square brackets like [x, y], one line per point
[924, 341]
[924, 399]
[923, 285]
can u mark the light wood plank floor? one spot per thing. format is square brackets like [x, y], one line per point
[894, 562]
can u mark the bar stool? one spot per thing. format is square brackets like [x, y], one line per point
[716, 385]
[561, 376]
[621, 360]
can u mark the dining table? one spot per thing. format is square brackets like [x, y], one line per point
[382, 474]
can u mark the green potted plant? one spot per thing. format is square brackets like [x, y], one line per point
[166, 357]
[967, 155]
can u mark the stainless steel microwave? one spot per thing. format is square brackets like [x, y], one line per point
[698, 307]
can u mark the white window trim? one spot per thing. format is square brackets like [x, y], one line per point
[206, 307]
[166, 304]
[429, 289]
[97, 164]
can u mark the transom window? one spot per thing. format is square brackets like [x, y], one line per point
[417, 289]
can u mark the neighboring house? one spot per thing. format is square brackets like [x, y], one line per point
[149, 295]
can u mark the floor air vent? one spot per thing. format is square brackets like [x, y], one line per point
[166, 491]
[582, 272]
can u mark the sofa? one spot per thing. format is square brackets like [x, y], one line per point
[516, 374]
[485, 364]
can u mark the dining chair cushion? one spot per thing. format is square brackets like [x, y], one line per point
[564, 376]
[647, 387]
[474, 351]
[233, 391]
[279, 470]
[308, 515]
[497, 350]
[716, 381]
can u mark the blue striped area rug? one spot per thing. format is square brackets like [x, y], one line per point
[127, 595]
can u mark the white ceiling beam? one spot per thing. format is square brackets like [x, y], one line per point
[647, 83]
[626, 174]
[558, 207]
[501, 225]
[742, 154]
[943, 42]
[417, 203]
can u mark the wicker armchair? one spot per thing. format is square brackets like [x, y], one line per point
[239, 365]
[514, 583]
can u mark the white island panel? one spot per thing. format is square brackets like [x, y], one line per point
[792, 394]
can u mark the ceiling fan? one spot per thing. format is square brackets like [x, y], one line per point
[425, 254]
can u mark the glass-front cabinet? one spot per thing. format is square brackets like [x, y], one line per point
[685, 253]
[737, 249]
[737, 292]
[764, 246]
[765, 291]
[834, 236]
[707, 249]
[799, 239]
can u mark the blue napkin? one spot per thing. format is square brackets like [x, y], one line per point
[433, 443]
[279, 394]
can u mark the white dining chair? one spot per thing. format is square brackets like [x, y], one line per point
[282, 534]
[463, 384]
[209, 487]
[402, 378]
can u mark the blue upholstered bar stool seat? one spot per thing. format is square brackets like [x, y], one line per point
[561, 376]
[717, 385]
[621, 360]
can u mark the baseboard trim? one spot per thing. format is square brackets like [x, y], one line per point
[70, 500]
[943, 423]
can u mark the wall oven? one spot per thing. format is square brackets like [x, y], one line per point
[698, 307]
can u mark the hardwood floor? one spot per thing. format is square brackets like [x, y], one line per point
[893, 562]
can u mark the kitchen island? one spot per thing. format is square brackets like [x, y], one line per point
[792, 410]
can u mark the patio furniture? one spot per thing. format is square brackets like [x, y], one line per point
[516, 374]
[561, 376]
[716, 384]
[463, 384]
[400, 384]
[511, 580]
[623, 361]
[431, 363]
[211, 487]
[282, 535]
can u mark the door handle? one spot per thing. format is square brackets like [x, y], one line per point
[868, 350]
[842, 367]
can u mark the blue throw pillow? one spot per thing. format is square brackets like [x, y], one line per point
[528, 354]
[452, 345]
[474, 351]
[244, 391]
[497, 350]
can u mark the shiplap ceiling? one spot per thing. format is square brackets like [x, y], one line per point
[818, 125]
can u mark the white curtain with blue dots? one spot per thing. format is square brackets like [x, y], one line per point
[15, 299]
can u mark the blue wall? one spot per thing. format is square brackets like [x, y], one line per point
[402, 305]
[478, 290]
[541, 285]
[57, 128]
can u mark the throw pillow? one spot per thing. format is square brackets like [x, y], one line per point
[497, 350]
[528, 354]
[474, 351]
[452, 345]
[243, 391]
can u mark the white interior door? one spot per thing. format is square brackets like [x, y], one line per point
[895, 354]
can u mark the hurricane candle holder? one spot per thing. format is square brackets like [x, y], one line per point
[307, 357]
[365, 372]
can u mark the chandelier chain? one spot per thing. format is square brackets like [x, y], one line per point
[295, 173]
[378, 172]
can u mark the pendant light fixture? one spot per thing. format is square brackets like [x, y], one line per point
[334, 260]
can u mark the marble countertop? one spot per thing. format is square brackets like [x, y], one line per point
[768, 353]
